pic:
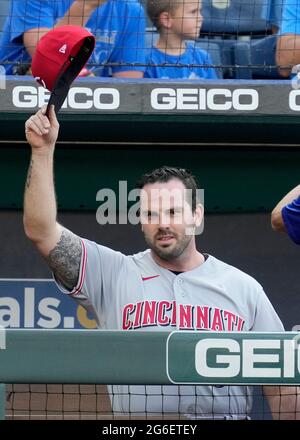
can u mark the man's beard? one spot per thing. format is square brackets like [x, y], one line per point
[171, 252]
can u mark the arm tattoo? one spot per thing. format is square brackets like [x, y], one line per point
[65, 258]
[29, 174]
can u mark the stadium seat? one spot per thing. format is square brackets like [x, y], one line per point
[4, 7]
[226, 51]
[256, 59]
[272, 10]
[236, 17]
[214, 51]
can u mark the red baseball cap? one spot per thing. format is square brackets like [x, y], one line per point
[59, 57]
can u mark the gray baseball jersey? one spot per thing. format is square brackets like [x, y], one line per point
[135, 293]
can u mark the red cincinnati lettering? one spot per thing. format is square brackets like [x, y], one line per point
[163, 307]
[230, 318]
[186, 316]
[138, 315]
[202, 317]
[240, 324]
[173, 317]
[149, 313]
[128, 309]
[217, 323]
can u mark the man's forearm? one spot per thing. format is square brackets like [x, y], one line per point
[40, 209]
[276, 217]
[289, 197]
[78, 14]
[61, 248]
[288, 53]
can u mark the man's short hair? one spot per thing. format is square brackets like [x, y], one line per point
[165, 174]
[157, 7]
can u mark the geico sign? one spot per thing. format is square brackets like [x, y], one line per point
[252, 358]
[79, 98]
[294, 100]
[204, 99]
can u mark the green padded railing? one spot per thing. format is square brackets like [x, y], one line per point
[153, 357]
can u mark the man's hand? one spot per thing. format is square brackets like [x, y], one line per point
[79, 12]
[93, 3]
[42, 131]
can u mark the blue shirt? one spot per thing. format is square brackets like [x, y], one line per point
[290, 17]
[181, 66]
[118, 25]
[272, 12]
[291, 218]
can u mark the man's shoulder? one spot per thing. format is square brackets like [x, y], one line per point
[94, 247]
[232, 273]
[141, 256]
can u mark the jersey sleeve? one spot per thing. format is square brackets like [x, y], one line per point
[26, 15]
[265, 318]
[99, 270]
[290, 18]
[131, 45]
[291, 218]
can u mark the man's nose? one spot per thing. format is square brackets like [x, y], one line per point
[164, 221]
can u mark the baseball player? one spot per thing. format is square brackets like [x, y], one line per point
[169, 286]
[286, 215]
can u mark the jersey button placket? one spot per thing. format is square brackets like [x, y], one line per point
[181, 289]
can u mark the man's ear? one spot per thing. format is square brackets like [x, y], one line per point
[198, 215]
[165, 20]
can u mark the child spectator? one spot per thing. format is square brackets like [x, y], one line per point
[173, 56]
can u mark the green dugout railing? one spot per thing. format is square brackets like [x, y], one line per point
[119, 357]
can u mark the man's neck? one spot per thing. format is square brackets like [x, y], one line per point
[182, 263]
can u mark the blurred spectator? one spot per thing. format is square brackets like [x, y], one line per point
[172, 56]
[286, 215]
[272, 12]
[288, 45]
[118, 26]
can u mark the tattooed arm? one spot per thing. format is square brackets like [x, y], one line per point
[65, 258]
[60, 247]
